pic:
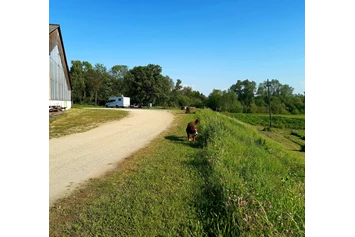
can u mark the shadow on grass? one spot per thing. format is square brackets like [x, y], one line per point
[210, 202]
[298, 151]
[176, 138]
[182, 140]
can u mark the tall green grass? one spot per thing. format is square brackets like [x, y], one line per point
[232, 182]
[278, 121]
[256, 188]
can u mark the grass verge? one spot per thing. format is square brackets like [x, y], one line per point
[81, 119]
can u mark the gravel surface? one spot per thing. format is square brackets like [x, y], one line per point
[76, 158]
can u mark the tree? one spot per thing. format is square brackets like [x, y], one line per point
[261, 106]
[245, 91]
[277, 107]
[117, 73]
[96, 79]
[183, 100]
[145, 83]
[165, 88]
[80, 74]
[214, 100]
[298, 102]
[178, 86]
[283, 93]
[198, 99]
[230, 102]
[78, 82]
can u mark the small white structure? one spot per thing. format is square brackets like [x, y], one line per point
[118, 102]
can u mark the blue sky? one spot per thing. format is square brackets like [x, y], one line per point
[207, 44]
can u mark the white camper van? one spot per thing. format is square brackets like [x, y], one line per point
[118, 102]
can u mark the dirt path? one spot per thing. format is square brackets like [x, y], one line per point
[76, 158]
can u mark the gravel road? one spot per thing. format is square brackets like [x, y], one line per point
[76, 158]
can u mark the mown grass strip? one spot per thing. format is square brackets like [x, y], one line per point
[79, 119]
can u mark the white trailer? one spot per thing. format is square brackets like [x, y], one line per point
[118, 102]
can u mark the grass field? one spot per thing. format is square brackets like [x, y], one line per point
[234, 181]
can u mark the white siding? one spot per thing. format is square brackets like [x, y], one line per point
[59, 87]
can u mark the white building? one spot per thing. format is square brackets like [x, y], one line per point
[59, 79]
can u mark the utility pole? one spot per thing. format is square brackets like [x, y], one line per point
[268, 93]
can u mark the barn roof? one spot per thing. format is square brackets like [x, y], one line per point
[53, 27]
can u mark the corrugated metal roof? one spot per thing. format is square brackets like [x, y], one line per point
[52, 27]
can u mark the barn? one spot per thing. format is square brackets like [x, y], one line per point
[59, 79]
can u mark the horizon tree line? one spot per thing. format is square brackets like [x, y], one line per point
[94, 84]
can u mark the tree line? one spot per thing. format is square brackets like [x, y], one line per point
[94, 84]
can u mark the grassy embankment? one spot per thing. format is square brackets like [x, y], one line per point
[233, 182]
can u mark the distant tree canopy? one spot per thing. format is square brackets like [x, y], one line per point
[146, 84]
